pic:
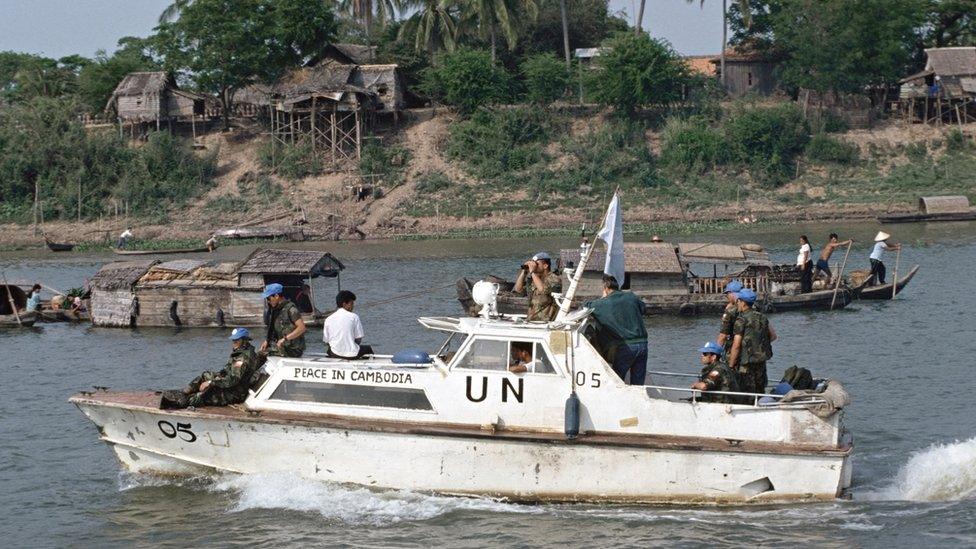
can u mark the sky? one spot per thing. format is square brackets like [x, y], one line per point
[56, 28]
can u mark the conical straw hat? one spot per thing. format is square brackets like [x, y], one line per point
[882, 236]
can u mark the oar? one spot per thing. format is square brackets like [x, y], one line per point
[10, 297]
[894, 280]
[840, 275]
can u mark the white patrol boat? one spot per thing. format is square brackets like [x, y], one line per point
[567, 429]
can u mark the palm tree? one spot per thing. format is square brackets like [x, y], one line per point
[365, 10]
[493, 16]
[433, 25]
[562, 11]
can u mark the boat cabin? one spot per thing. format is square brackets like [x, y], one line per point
[191, 292]
[467, 382]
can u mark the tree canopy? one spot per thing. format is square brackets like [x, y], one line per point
[635, 70]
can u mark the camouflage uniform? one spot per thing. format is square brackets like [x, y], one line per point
[728, 324]
[756, 349]
[230, 385]
[282, 321]
[542, 306]
[719, 377]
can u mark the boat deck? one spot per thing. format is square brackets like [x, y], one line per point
[148, 401]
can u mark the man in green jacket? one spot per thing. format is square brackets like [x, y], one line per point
[751, 345]
[228, 386]
[286, 329]
[621, 318]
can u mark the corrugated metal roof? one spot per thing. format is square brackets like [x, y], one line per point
[951, 61]
[639, 257]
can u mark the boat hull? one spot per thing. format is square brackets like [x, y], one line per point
[491, 464]
[884, 291]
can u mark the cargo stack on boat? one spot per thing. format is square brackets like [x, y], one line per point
[192, 292]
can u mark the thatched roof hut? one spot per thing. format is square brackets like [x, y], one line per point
[384, 81]
[291, 262]
[346, 54]
[943, 204]
[147, 96]
[326, 81]
[121, 274]
[953, 68]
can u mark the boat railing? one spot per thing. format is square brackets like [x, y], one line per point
[716, 285]
[696, 393]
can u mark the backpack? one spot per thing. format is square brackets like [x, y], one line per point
[799, 378]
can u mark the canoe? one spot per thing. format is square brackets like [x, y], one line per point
[291, 233]
[10, 321]
[883, 291]
[920, 217]
[59, 247]
[117, 251]
[815, 300]
[61, 315]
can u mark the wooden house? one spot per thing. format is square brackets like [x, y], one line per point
[152, 97]
[385, 82]
[190, 292]
[748, 71]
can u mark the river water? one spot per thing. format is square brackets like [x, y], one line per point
[908, 364]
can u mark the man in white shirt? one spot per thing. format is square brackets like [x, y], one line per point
[343, 332]
[124, 238]
[877, 266]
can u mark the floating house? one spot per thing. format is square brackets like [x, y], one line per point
[190, 292]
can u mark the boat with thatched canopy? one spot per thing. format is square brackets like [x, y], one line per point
[935, 208]
[193, 292]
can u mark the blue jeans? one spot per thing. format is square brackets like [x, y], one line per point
[631, 358]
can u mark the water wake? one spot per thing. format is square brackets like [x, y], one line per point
[941, 472]
[352, 505]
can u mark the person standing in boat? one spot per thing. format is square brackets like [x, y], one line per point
[538, 282]
[621, 318]
[823, 262]
[730, 314]
[805, 263]
[124, 238]
[716, 376]
[223, 388]
[34, 298]
[286, 329]
[752, 344]
[877, 266]
[343, 331]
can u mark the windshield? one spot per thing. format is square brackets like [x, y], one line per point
[451, 346]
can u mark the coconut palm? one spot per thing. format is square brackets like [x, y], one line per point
[366, 10]
[172, 11]
[494, 16]
[433, 25]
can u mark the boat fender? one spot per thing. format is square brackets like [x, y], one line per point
[572, 416]
[172, 314]
[411, 356]
[688, 309]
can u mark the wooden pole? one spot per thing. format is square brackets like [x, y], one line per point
[10, 297]
[894, 278]
[840, 275]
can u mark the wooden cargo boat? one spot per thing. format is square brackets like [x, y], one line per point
[58, 247]
[881, 291]
[935, 208]
[686, 280]
[13, 300]
[164, 251]
[461, 423]
[192, 292]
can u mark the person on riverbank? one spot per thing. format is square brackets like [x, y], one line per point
[212, 243]
[805, 263]
[730, 314]
[823, 262]
[343, 331]
[621, 318]
[286, 329]
[537, 281]
[228, 386]
[715, 376]
[34, 298]
[752, 345]
[877, 266]
[124, 238]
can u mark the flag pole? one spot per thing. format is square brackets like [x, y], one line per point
[586, 250]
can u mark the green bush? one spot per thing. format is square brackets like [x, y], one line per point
[767, 140]
[495, 142]
[636, 70]
[956, 141]
[466, 79]
[823, 148]
[691, 146]
[291, 161]
[546, 78]
[433, 182]
[383, 163]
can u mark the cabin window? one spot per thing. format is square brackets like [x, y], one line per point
[749, 78]
[451, 346]
[489, 354]
[352, 395]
